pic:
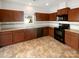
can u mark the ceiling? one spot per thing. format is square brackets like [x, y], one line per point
[38, 3]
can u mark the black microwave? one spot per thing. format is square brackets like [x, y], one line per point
[62, 18]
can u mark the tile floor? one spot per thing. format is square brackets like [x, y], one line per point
[44, 47]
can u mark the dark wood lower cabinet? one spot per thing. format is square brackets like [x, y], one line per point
[30, 34]
[39, 32]
[5, 38]
[72, 39]
[67, 38]
[75, 40]
[18, 36]
[45, 31]
[11, 37]
[51, 32]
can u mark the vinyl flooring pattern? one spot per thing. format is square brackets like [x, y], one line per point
[43, 47]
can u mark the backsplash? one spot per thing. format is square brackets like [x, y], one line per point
[75, 27]
[36, 24]
[0, 26]
[24, 25]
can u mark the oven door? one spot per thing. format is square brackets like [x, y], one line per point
[59, 34]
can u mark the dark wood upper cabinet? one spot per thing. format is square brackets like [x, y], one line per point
[5, 38]
[18, 36]
[63, 11]
[11, 15]
[19, 16]
[74, 15]
[42, 16]
[52, 16]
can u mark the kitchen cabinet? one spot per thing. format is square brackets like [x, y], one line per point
[45, 31]
[74, 15]
[11, 15]
[51, 32]
[42, 16]
[30, 34]
[67, 38]
[39, 32]
[63, 11]
[18, 16]
[5, 38]
[52, 16]
[15, 36]
[72, 39]
[0, 16]
[75, 40]
[18, 36]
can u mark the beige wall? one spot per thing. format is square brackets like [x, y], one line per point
[0, 4]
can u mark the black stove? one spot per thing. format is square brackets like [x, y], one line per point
[59, 33]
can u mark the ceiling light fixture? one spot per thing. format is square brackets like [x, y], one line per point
[30, 4]
[47, 4]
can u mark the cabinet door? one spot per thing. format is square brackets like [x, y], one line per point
[45, 31]
[1, 15]
[18, 36]
[7, 16]
[59, 12]
[39, 32]
[63, 11]
[42, 16]
[68, 38]
[51, 32]
[75, 40]
[30, 34]
[5, 38]
[18, 16]
[74, 15]
[52, 17]
[11, 15]
[72, 39]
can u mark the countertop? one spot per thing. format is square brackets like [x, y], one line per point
[72, 30]
[13, 29]
[27, 27]
[32, 27]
